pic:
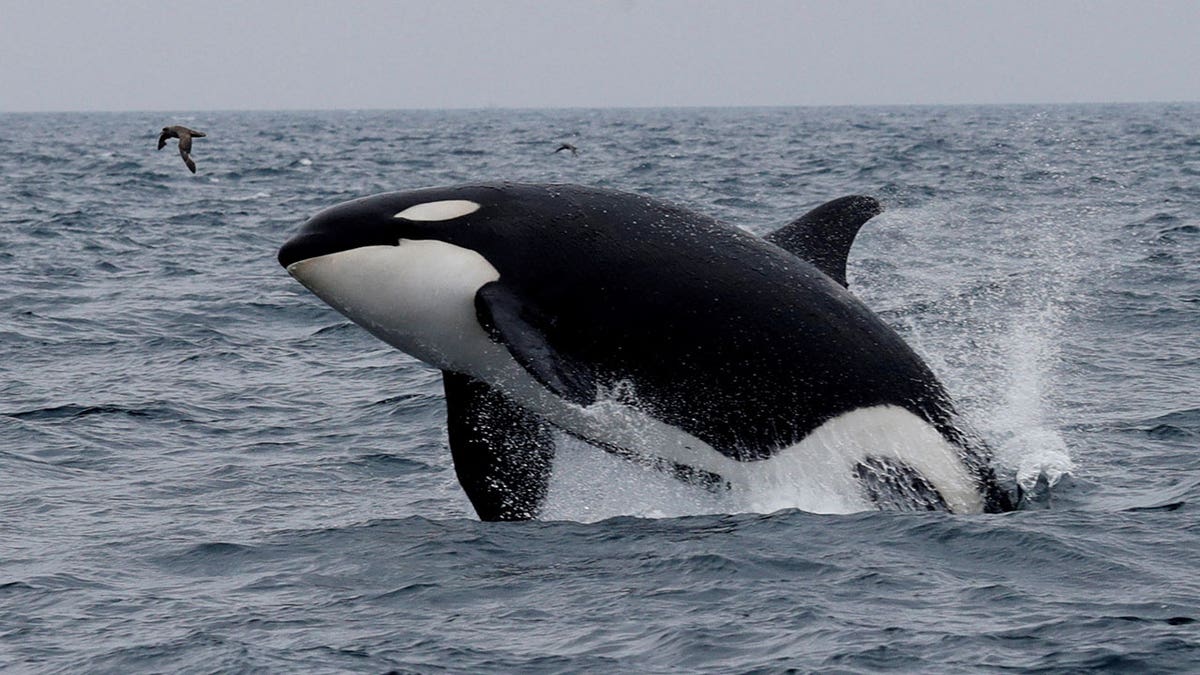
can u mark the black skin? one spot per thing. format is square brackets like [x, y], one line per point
[722, 334]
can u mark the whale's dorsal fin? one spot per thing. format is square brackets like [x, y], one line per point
[824, 235]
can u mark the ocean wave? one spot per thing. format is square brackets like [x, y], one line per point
[207, 469]
[72, 411]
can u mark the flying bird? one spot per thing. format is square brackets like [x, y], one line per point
[185, 136]
[567, 146]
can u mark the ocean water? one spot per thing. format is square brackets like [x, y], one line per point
[203, 468]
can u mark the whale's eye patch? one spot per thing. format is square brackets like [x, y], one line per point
[447, 209]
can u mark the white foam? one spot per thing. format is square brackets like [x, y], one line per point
[589, 484]
[1000, 362]
[1033, 446]
[815, 475]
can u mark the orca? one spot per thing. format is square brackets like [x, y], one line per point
[663, 336]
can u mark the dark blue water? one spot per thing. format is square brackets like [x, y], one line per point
[205, 469]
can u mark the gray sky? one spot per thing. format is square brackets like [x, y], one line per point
[298, 54]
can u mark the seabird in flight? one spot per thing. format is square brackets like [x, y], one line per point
[185, 136]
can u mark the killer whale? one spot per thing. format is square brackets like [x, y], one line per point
[659, 334]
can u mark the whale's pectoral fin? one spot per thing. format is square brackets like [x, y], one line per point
[502, 453]
[509, 322]
[824, 235]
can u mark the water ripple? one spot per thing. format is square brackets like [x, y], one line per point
[202, 468]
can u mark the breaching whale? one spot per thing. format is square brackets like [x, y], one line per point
[658, 334]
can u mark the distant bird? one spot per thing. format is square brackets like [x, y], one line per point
[567, 146]
[185, 136]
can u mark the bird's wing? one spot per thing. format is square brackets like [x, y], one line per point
[187, 159]
[162, 139]
[185, 142]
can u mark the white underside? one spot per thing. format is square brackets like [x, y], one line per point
[816, 475]
[419, 297]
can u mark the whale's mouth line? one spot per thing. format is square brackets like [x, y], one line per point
[318, 244]
[293, 266]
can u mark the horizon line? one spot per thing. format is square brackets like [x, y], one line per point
[515, 108]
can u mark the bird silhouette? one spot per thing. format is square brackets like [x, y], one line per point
[185, 136]
[567, 146]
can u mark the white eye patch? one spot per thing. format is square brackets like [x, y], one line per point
[434, 211]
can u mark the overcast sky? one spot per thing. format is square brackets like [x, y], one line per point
[295, 54]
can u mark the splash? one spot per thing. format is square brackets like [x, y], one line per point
[589, 484]
[849, 464]
[1025, 439]
[988, 307]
